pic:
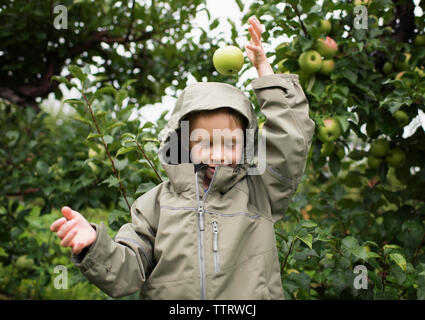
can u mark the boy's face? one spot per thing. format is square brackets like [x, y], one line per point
[216, 139]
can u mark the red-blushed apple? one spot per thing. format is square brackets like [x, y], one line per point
[328, 65]
[379, 148]
[326, 47]
[310, 61]
[330, 131]
[228, 60]
[396, 158]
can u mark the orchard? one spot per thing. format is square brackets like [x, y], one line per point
[361, 201]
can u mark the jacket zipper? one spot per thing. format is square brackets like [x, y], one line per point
[215, 246]
[201, 232]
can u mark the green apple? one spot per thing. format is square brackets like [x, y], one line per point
[420, 40]
[328, 65]
[374, 162]
[340, 152]
[403, 64]
[310, 61]
[396, 158]
[325, 26]
[24, 263]
[379, 148]
[330, 131]
[402, 117]
[387, 68]
[228, 60]
[372, 21]
[388, 30]
[420, 71]
[281, 67]
[327, 149]
[327, 47]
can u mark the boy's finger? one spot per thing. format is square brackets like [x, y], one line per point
[78, 247]
[254, 36]
[68, 213]
[256, 24]
[57, 224]
[67, 240]
[63, 231]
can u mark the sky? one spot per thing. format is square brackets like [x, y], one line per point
[221, 9]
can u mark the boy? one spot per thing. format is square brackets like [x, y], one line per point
[207, 232]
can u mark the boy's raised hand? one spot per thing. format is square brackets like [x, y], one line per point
[74, 230]
[254, 49]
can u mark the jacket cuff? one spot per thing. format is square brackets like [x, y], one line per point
[89, 255]
[274, 80]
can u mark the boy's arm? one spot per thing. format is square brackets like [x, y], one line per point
[119, 267]
[289, 130]
[289, 133]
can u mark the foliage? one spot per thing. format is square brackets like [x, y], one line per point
[98, 160]
[345, 213]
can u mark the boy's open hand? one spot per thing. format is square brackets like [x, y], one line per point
[254, 49]
[74, 230]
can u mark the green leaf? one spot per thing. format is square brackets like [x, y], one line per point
[120, 164]
[112, 181]
[240, 5]
[42, 167]
[350, 75]
[77, 72]
[63, 80]
[108, 139]
[93, 135]
[399, 259]
[75, 102]
[115, 125]
[214, 24]
[124, 150]
[343, 122]
[308, 224]
[102, 91]
[119, 98]
[307, 239]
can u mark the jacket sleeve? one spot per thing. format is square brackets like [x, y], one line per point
[289, 134]
[120, 267]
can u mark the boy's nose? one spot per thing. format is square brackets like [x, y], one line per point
[217, 155]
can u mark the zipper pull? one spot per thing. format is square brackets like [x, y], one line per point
[215, 236]
[201, 216]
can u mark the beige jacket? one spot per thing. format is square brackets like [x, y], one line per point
[185, 243]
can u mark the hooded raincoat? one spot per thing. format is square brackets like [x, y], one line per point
[184, 242]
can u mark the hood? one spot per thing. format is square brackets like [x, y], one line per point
[204, 96]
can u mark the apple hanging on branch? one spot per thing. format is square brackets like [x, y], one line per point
[330, 131]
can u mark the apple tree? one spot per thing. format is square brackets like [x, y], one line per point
[361, 203]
